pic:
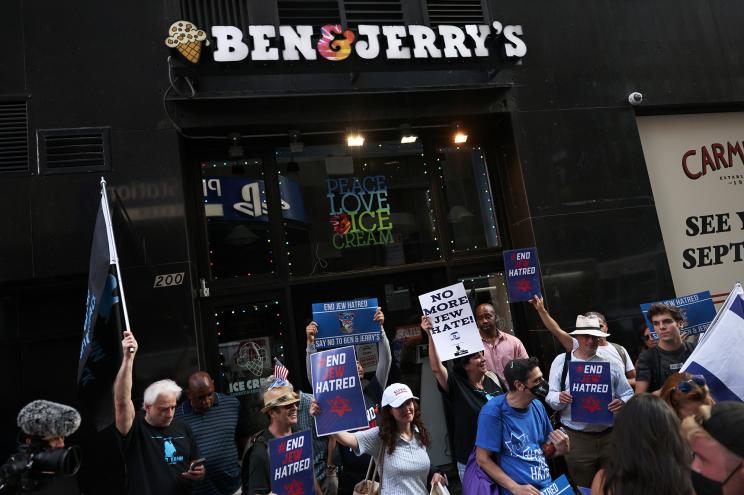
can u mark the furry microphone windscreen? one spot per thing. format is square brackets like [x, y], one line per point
[43, 418]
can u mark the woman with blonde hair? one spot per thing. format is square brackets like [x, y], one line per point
[686, 393]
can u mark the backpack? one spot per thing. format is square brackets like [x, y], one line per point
[621, 351]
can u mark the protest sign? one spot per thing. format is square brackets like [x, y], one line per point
[292, 464]
[346, 323]
[591, 390]
[337, 389]
[522, 274]
[561, 486]
[698, 310]
[454, 330]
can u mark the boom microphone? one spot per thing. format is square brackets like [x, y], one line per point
[42, 418]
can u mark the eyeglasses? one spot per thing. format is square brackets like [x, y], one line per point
[686, 386]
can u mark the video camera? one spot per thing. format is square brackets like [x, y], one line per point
[33, 465]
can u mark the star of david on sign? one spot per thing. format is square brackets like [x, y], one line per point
[591, 404]
[294, 488]
[523, 285]
[339, 405]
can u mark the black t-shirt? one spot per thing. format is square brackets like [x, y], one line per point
[466, 402]
[259, 466]
[656, 365]
[354, 467]
[155, 457]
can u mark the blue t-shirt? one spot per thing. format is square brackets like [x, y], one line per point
[516, 438]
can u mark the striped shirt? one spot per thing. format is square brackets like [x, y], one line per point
[404, 472]
[215, 435]
[320, 445]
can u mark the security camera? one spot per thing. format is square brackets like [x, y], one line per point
[635, 98]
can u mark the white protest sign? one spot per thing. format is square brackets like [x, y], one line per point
[454, 330]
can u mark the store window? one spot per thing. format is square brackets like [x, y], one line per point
[491, 288]
[237, 218]
[468, 198]
[250, 337]
[361, 208]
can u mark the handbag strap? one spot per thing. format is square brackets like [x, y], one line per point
[380, 459]
[369, 470]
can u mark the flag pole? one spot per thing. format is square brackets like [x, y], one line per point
[114, 254]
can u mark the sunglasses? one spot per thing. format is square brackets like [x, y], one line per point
[686, 386]
[647, 337]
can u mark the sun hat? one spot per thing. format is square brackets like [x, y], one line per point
[588, 325]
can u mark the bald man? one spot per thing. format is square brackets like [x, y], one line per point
[499, 347]
[213, 417]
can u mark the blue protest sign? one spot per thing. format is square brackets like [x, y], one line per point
[346, 323]
[236, 198]
[591, 390]
[698, 310]
[338, 390]
[292, 464]
[561, 486]
[522, 274]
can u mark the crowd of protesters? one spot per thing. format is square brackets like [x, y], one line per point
[512, 429]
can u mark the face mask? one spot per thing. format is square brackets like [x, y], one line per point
[540, 390]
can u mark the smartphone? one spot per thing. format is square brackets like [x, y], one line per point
[197, 462]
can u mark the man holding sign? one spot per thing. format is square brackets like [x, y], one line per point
[588, 430]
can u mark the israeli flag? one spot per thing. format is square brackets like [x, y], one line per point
[720, 351]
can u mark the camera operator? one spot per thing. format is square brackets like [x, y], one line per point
[42, 464]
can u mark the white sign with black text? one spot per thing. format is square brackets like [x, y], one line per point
[454, 330]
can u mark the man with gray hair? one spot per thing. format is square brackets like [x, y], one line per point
[158, 452]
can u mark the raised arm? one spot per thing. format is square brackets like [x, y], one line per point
[439, 370]
[553, 327]
[384, 354]
[123, 386]
[310, 331]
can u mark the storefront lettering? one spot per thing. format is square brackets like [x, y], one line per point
[292, 43]
[359, 209]
[711, 159]
[715, 254]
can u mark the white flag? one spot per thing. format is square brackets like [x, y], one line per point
[720, 352]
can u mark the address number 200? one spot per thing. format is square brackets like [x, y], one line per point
[168, 280]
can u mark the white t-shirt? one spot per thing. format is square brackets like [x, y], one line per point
[609, 352]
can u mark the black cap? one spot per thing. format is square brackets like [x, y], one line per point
[726, 425]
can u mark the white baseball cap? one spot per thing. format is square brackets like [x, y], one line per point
[396, 394]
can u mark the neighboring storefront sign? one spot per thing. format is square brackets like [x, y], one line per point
[522, 274]
[698, 310]
[454, 330]
[346, 323]
[235, 198]
[359, 211]
[292, 464]
[337, 389]
[365, 41]
[696, 167]
[246, 364]
[591, 391]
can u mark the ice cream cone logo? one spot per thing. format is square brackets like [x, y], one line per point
[187, 39]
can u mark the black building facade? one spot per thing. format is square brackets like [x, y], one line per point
[553, 159]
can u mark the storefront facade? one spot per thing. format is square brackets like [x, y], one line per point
[238, 201]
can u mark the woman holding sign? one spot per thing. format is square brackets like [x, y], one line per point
[469, 387]
[399, 442]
